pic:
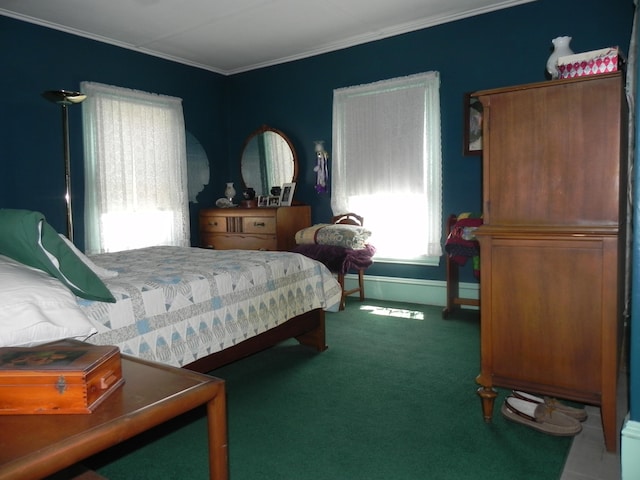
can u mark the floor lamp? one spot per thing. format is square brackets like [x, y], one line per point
[64, 98]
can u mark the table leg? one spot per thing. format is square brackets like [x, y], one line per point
[217, 426]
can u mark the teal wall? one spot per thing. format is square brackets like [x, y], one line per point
[502, 48]
[496, 49]
[35, 59]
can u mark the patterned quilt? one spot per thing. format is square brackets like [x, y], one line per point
[175, 305]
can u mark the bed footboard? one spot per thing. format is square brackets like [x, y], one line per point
[308, 329]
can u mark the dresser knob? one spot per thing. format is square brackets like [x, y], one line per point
[258, 224]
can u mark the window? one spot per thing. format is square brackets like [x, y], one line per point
[136, 191]
[387, 164]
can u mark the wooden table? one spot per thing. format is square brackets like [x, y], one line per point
[35, 446]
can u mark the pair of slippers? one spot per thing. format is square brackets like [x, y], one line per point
[546, 414]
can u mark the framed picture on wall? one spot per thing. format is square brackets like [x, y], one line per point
[286, 197]
[472, 125]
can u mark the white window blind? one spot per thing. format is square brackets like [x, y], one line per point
[387, 164]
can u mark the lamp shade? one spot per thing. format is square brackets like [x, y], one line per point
[65, 97]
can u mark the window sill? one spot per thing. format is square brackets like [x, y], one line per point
[426, 261]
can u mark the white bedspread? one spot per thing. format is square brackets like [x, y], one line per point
[176, 305]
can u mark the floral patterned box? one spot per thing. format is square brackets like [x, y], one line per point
[595, 62]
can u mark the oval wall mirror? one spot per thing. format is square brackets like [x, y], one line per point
[268, 160]
[197, 167]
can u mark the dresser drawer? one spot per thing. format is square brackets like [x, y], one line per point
[213, 224]
[259, 225]
[238, 241]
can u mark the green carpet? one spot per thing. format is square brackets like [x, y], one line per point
[393, 398]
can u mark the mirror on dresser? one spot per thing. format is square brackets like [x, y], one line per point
[268, 160]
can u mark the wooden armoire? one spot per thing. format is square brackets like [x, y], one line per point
[552, 244]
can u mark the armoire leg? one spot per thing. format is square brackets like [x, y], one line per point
[488, 396]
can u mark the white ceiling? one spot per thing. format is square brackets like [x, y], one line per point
[231, 36]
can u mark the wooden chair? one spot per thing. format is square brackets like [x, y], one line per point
[453, 279]
[350, 219]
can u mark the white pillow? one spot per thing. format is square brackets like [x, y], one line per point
[99, 271]
[37, 308]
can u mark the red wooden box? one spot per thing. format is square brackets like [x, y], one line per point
[61, 377]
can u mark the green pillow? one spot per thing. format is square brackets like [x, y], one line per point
[26, 237]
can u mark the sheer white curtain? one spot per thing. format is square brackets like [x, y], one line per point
[136, 191]
[387, 164]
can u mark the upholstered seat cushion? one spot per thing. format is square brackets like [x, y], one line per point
[340, 235]
[339, 259]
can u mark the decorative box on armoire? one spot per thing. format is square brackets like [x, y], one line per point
[552, 242]
[260, 228]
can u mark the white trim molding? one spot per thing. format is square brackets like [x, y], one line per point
[629, 448]
[411, 290]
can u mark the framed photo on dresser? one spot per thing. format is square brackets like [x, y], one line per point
[273, 201]
[286, 197]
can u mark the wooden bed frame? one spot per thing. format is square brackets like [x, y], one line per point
[308, 329]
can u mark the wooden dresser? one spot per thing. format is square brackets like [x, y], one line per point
[263, 228]
[552, 243]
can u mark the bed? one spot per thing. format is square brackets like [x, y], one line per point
[179, 305]
[183, 306]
